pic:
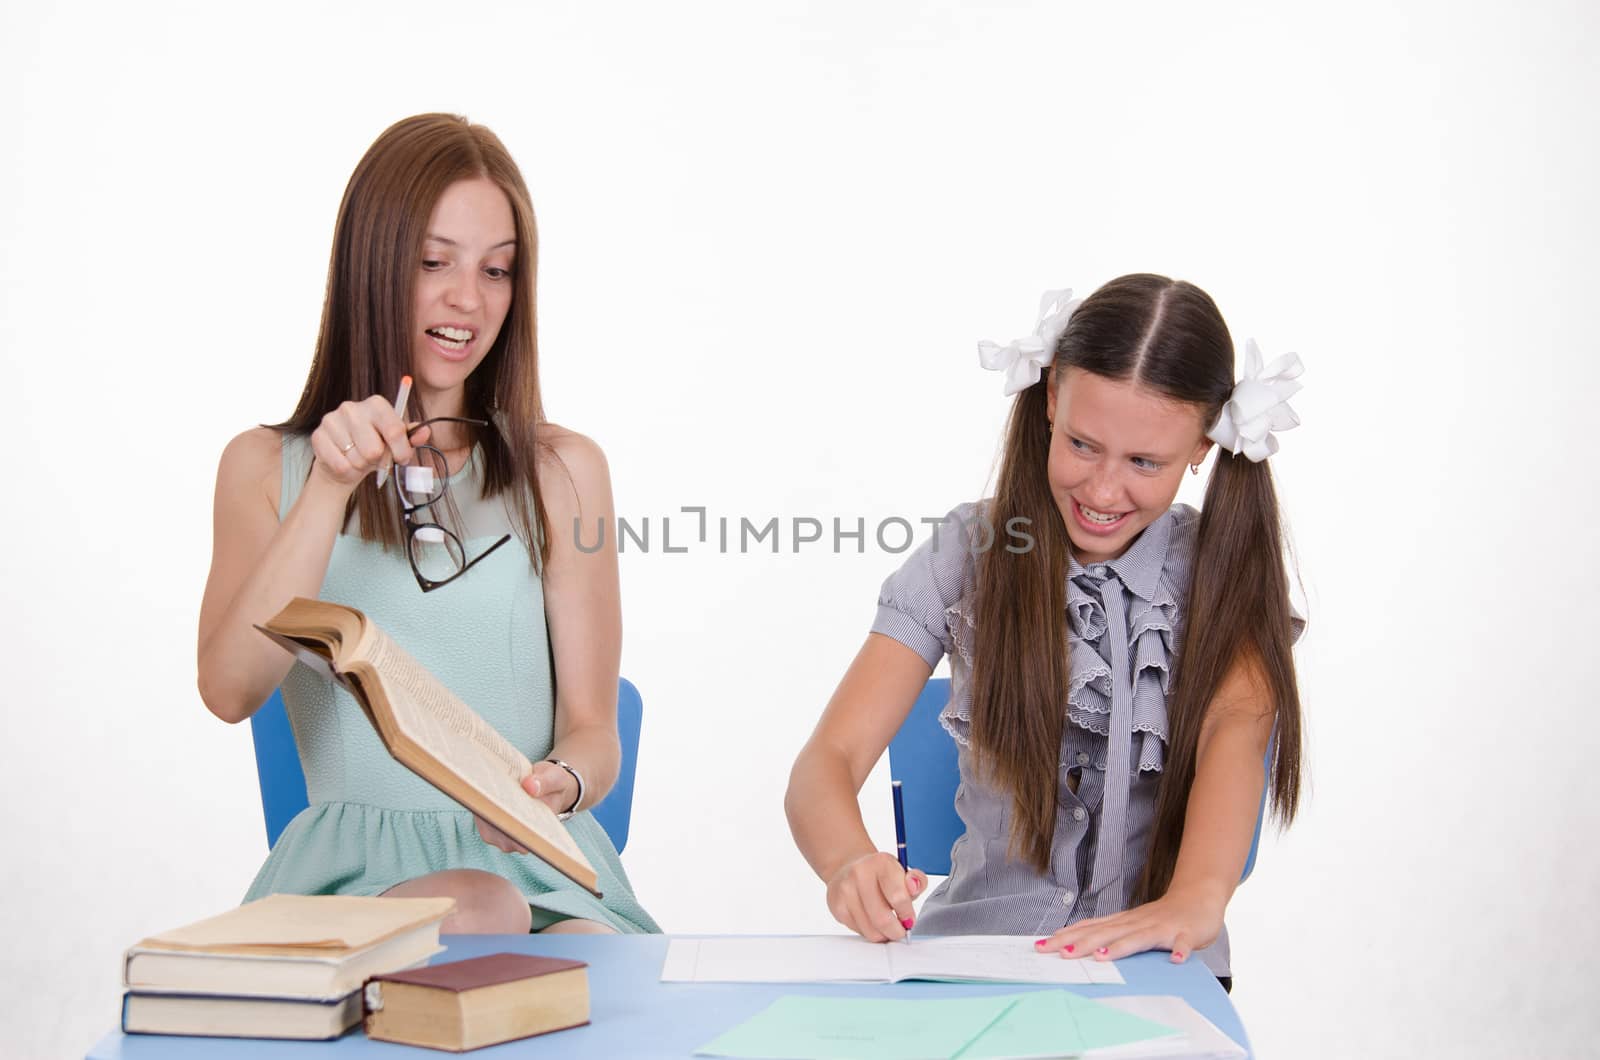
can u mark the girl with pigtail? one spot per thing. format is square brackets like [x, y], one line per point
[1117, 680]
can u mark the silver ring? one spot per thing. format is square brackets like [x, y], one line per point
[347, 448]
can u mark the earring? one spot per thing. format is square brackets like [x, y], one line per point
[1194, 469]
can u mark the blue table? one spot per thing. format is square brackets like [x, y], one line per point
[635, 1015]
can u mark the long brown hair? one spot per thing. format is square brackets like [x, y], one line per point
[1168, 336]
[365, 343]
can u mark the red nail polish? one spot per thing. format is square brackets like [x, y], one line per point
[1040, 942]
[1071, 948]
[1177, 955]
[906, 923]
[1102, 951]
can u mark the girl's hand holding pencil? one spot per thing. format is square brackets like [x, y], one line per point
[872, 896]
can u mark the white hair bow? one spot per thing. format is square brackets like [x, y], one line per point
[1259, 406]
[1024, 360]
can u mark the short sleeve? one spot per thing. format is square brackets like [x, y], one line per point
[914, 599]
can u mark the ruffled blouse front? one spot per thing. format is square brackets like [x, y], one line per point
[1122, 626]
[1152, 576]
[1147, 635]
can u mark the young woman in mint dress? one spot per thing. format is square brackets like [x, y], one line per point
[432, 277]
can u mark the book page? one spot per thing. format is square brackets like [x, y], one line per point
[781, 959]
[852, 959]
[992, 958]
[431, 714]
[323, 922]
[337, 626]
[449, 732]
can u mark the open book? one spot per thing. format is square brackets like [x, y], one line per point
[426, 728]
[852, 959]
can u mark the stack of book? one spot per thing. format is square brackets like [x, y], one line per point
[287, 966]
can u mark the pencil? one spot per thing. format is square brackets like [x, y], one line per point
[400, 400]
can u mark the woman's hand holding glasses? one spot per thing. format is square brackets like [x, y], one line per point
[359, 437]
[362, 436]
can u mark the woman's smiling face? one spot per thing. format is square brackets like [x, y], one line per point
[1117, 455]
[463, 287]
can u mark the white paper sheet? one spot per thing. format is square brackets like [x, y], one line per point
[1201, 1039]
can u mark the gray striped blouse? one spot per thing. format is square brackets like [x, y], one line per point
[1124, 619]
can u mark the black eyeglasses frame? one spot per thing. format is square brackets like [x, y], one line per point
[411, 524]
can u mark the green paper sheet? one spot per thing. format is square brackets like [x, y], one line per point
[849, 1028]
[1051, 1023]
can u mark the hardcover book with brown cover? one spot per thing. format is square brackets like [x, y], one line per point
[480, 1001]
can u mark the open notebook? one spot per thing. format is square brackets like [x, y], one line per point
[849, 959]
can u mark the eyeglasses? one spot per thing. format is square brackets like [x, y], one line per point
[437, 555]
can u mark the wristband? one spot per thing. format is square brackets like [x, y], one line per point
[570, 810]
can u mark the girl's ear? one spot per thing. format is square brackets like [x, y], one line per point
[1201, 451]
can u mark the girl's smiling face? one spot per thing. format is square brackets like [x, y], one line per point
[463, 289]
[1117, 455]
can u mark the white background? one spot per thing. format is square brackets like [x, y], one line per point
[770, 237]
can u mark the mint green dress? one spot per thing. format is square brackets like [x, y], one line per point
[371, 822]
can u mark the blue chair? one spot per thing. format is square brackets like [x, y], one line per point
[616, 808]
[923, 757]
[283, 785]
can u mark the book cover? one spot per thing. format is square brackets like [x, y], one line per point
[474, 972]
